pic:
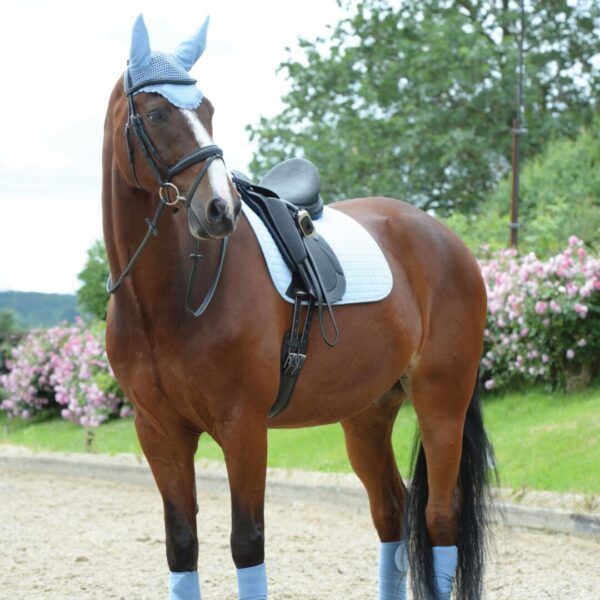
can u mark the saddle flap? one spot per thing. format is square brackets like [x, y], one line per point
[328, 268]
[298, 181]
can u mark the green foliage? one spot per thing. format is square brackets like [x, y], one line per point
[92, 296]
[9, 336]
[559, 197]
[417, 100]
[35, 309]
[9, 322]
[560, 194]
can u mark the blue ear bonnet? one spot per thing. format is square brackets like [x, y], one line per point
[166, 66]
[148, 65]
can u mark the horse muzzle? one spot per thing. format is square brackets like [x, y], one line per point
[217, 220]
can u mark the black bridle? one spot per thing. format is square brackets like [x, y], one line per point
[135, 123]
[207, 155]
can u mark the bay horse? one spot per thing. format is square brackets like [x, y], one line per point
[219, 374]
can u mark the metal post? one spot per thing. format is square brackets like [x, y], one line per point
[517, 131]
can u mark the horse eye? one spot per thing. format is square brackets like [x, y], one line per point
[156, 115]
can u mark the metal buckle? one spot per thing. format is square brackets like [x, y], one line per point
[294, 363]
[178, 196]
[305, 223]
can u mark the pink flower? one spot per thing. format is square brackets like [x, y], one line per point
[545, 358]
[489, 384]
[570, 354]
[580, 309]
[582, 343]
[554, 306]
[541, 307]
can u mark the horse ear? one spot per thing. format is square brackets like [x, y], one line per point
[191, 50]
[140, 52]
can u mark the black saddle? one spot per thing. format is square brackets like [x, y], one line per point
[298, 181]
[315, 267]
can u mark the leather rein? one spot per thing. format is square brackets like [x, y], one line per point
[207, 155]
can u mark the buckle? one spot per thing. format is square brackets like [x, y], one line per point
[294, 363]
[305, 223]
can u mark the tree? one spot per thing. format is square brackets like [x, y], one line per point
[417, 100]
[10, 329]
[560, 197]
[92, 296]
[9, 322]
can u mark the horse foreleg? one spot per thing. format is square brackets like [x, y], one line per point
[244, 444]
[170, 455]
[369, 446]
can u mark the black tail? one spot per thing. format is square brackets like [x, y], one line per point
[475, 470]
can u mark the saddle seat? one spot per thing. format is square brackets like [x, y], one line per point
[298, 181]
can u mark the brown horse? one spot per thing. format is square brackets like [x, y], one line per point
[219, 374]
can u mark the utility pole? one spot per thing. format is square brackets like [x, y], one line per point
[517, 132]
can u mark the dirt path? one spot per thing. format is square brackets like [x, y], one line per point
[66, 538]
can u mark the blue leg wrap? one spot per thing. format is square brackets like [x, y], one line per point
[393, 568]
[184, 586]
[445, 560]
[252, 583]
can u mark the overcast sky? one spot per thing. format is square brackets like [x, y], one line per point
[60, 61]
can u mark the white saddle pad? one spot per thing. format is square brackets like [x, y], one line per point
[368, 275]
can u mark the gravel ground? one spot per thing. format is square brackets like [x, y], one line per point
[74, 538]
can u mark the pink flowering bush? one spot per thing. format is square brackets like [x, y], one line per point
[64, 369]
[27, 387]
[543, 319]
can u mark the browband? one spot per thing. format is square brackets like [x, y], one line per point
[132, 89]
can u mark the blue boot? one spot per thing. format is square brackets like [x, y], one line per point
[445, 560]
[393, 568]
[252, 583]
[184, 586]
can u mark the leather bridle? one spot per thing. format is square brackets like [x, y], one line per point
[207, 155]
[135, 123]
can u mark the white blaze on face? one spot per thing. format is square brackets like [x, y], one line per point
[217, 174]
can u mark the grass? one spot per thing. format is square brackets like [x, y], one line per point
[547, 442]
[543, 441]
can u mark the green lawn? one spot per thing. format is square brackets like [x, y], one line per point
[543, 441]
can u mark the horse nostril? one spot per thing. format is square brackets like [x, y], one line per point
[217, 210]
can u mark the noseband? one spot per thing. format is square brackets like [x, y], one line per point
[207, 155]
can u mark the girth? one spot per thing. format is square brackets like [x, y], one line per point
[317, 277]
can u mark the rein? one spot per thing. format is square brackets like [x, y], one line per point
[207, 155]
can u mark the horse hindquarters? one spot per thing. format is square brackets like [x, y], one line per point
[466, 525]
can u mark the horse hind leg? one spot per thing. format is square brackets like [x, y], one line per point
[447, 508]
[368, 438]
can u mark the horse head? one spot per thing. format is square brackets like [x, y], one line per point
[167, 146]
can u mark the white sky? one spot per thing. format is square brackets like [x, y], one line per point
[59, 62]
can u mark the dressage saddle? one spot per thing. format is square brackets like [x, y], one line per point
[298, 181]
[287, 199]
